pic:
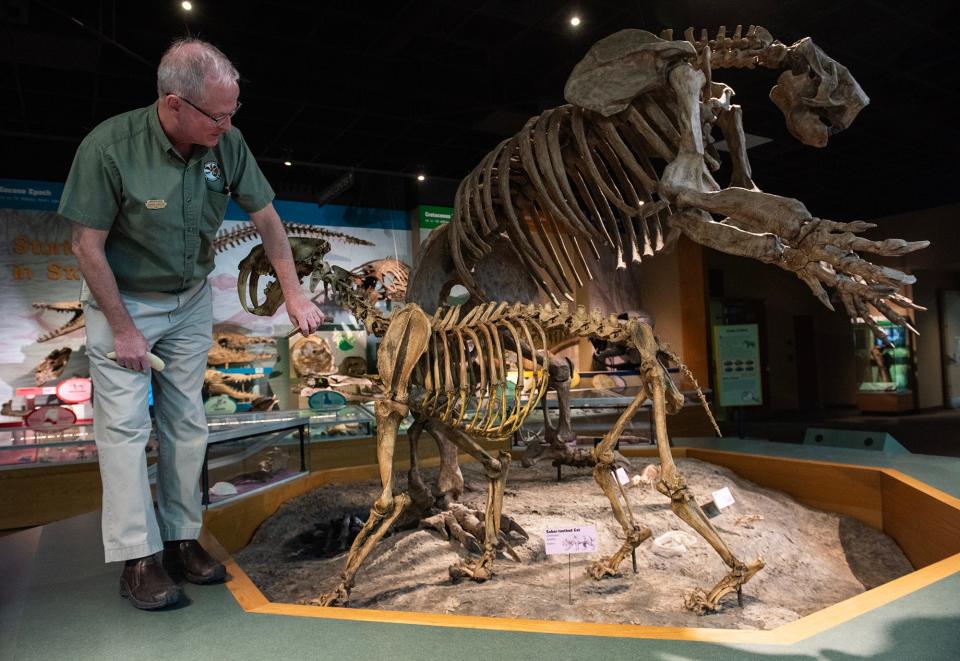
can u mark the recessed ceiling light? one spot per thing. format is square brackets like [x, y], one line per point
[575, 21]
[420, 177]
[187, 6]
[287, 163]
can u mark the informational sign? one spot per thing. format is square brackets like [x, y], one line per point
[622, 476]
[220, 404]
[737, 351]
[573, 539]
[33, 391]
[29, 194]
[75, 390]
[723, 498]
[51, 418]
[326, 401]
[433, 217]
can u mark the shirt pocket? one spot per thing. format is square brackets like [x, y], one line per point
[214, 209]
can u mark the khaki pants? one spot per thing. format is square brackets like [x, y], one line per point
[178, 327]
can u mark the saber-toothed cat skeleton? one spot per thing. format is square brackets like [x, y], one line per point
[450, 372]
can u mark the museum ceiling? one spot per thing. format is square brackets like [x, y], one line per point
[432, 85]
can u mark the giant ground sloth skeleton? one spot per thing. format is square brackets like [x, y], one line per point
[626, 167]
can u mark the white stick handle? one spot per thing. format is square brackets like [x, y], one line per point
[156, 364]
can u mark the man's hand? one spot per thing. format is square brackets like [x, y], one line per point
[303, 313]
[132, 350]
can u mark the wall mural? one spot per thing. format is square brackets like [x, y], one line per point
[40, 280]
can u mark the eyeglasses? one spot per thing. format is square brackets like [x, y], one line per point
[216, 119]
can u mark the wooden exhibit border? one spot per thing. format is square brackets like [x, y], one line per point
[900, 505]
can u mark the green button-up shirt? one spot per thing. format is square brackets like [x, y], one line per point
[162, 212]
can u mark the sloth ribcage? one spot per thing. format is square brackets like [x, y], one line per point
[573, 179]
[462, 378]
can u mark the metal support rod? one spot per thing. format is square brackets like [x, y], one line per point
[205, 479]
[303, 452]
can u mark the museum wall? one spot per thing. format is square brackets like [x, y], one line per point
[658, 282]
[929, 347]
[651, 288]
[783, 298]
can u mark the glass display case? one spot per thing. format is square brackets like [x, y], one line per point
[884, 372]
[883, 368]
[20, 446]
[352, 421]
[250, 451]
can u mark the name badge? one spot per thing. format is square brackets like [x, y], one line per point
[156, 204]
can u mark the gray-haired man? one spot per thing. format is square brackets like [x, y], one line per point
[147, 192]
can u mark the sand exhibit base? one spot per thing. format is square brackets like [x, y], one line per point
[814, 558]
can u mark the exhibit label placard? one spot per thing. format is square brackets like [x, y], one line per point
[622, 476]
[76, 390]
[433, 217]
[326, 401]
[50, 418]
[723, 498]
[574, 539]
[737, 351]
[30, 194]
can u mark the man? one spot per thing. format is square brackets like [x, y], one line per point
[147, 193]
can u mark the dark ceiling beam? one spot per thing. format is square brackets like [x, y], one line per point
[279, 133]
[18, 83]
[63, 94]
[98, 34]
[319, 48]
[29, 135]
[335, 167]
[342, 132]
[385, 27]
[348, 110]
[96, 73]
[382, 146]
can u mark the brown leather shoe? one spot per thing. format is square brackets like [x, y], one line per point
[147, 585]
[187, 556]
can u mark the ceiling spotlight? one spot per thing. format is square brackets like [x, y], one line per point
[575, 21]
[420, 177]
[187, 6]
[287, 163]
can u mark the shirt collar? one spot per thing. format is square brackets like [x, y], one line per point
[153, 119]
